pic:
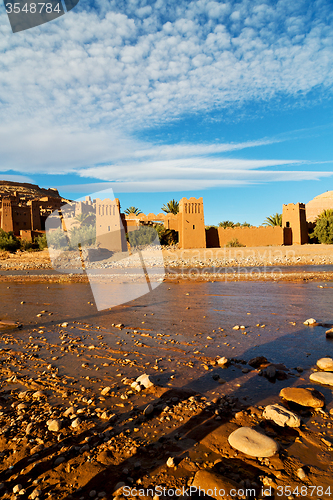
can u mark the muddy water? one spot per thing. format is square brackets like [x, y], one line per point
[189, 312]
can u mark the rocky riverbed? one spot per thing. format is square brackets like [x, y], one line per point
[84, 416]
[174, 258]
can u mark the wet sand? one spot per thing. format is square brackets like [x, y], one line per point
[72, 353]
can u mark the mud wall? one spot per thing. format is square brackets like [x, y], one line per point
[247, 236]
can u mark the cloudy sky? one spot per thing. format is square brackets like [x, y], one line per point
[231, 101]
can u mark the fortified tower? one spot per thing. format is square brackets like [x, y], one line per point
[294, 224]
[110, 231]
[192, 233]
[7, 223]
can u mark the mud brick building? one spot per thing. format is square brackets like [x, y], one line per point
[24, 212]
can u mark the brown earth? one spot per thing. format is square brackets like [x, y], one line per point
[72, 427]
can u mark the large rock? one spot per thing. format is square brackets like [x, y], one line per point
[252, 442]
[145, 380]
[257, 361]
[329, 333]
[325, 364]
[54, 425]
[304, 397]
[213, 484]
[310, 321]
[281, 416]
[325, 378]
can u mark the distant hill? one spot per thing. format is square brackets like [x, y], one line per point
[28, 191]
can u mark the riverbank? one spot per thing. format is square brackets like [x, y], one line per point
[199, 258]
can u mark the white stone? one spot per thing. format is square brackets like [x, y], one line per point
[236, 327]
[301, 474]
[105, 391]
[64, 325]
[325, 364]
[36, 494]
[222, 361]
[69, 411]
[281, 416]
[17, 488]
[170, 462]
[54, 425]
[76, 423]
[252, 442]
[310, 321]
[145, 380]
[38, 394]
[325, 378]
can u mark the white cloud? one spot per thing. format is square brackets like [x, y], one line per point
[75, 92]
[146, 64]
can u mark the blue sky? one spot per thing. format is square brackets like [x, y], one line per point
[231, 101]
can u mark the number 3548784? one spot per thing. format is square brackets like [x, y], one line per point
[32, 8]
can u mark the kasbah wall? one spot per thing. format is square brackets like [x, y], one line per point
[28, 218]
[190, 224]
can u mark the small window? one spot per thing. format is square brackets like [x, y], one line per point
[108, 228]
[287, 224]
[193, 226]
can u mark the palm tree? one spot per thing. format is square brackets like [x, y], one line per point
[133, 210]
[85, 219]
[273, 220]
[325, 214]
[226, 223]
[172, 207]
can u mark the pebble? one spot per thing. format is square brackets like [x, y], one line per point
[252, 442]
[17, 488]
[69, 411]
[105, 391]
[270, 371]
[281, 416]
[36, 494]
[170, 462]
[325, 364]
[76, 423]
[148, 410]
[222, 361]
[257, 361]
[64, 325]
[29, 428]
[54, 425]
[329, 333]
[304, 397]
[301, 474]
[310, 321]
[38, 394]
[325, 378]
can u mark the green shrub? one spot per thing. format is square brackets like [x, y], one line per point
[143, 236]
[26, 245]
[8, 241]
[234, 243]
[324, 229]
[57, 239]
[41, 241]
[166, 236]
[83, 235]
